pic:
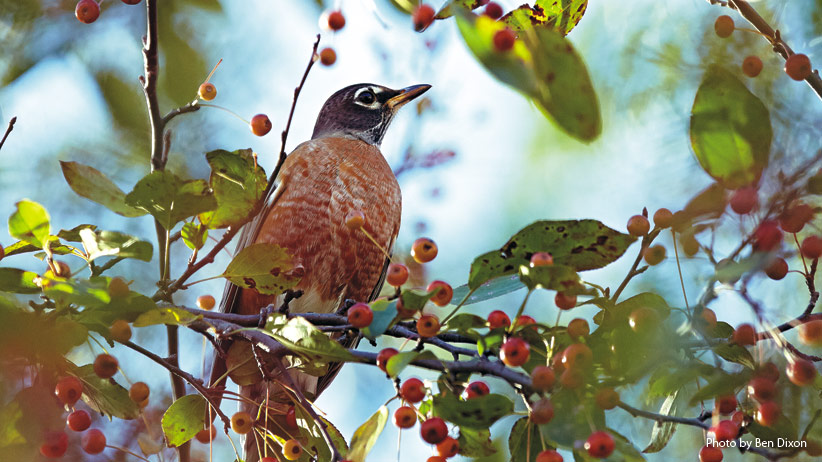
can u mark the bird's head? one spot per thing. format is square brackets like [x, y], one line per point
[363, 111]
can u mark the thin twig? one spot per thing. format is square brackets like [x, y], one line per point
[8, 130]
[193, 267]
[646, 241]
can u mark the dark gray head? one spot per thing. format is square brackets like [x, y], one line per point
[363, 111]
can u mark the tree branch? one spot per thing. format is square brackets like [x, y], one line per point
[8, 130]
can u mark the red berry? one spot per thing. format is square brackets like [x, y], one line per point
[328, 56]
[565, 301]
[422, 17]
[449, 447]
[412, 390]
[543, 378]
[744, 335]
[541, 259]
[476, 389]
[120, 331]
[744, 200]
[93, 441]
[708, 317]
[607, 398]
[131, 2]
[738, 417]
[434, 430]
[663, 218]
[105, 366]
[811, 247]
[384, 355]
[767, 236]
[768, 413]
[78, 420]
[525, 320]
[725, 430]
[810, 333]
[405, 417]
[336, 20]
[515, 352]
[761, 389]
[724, 26]
[801, 372]
[436, 459]
[541, 412]
[549, 455]
[797, 66]
[777, 270]
[793, 219]
[260, 125]
[291, 417]
[768, 371]
[600, 444]
[578, 356]
[497, 319]
[443, 295]
[360, 315]
[710, 454]
[54, 444]
[638, 226]
[206, 302]
[493, 10]
[424, 250]
[578, 328]
[396, 275]
[207, 435]
[654, 254]
[428, 325]
[139, 392]
[207, 91]
[87, 11]
[752, 66]
[571, 379]
[69, 390]
[504, 40]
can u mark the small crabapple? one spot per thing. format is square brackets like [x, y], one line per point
[525, 320]
[54, 445]
[801, 372]
[811, 247]
[654, 254]
[412, 390]
[724, 26]
[752, 66]
[260, 125]
[542, 411]
[541, 259]
[69, 390]
[292, 449]
[744, 335]
[798, 66]
[738, 417]
[571, 379]
[810, 333]
[768, 413]
[360, 315]
[708, 316]
[105, 366]
[565, 301]
[93, 441]
[744, 200]
[207, 91]
[139, 392]
[690, 246]
[600, 444]
[793, 219]
[354, 220]
[663, 218]
[291, 417]
[638, 226]
[498, 319]
[449, 447]
[206, 302]
[577, 355]
[476, 389]
[444, 292]
[118, 288]
[768, 371]
[710, 454]
[515, 352]
[767, 236]
[87, 11]
[436, 459]
[725, 430]
[424, 250]
[578, 327]
[422, 17]
[120, 331]
[504, 40]
[403, 312]
[328, 56]
[78, 420]
[542, 378]
[606, 398]
[777, 269]
[396, 275]
[428, 325]
[61, 269]
[131, 2]
[206, 435]
[761, 389]
[549, 455]
[405, 417]
[493, 10]
[434, 430]
[242, 423]
[336, 20]
[384, 355]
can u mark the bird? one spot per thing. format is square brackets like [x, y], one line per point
[338, 171]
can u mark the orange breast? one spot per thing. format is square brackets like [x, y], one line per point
[321, 182]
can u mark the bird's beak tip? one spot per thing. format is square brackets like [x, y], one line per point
[407, 94]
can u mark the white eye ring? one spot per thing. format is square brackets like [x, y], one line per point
[369, 101]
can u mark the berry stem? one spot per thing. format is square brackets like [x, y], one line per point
[215, 106]
[127, 452]
[519, 311]
[679, 270]
[462, 302]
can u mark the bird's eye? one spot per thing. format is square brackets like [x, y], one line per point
[366, 97]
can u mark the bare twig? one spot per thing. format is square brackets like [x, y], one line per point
[8, 130]
[646, 241]
[195, 266]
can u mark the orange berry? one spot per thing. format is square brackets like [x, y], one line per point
[810, 333]
[422, 17]
[542, 378]
[449, 447]
[565, 301]
[424, 250]
[744, 335]
[752, 66]
[811, 247]
[328, 56]
[336, 20]
[710, 454]
[206, 435]
[54, 445]
[62, 269]
[105, 366]
[768, 371]
[93, 441]
[578, 328]
[801, 372]
[139, 392]
[207, 91]
[384, 355]
[689, 244]
[541, 259]
[542, 411]
[600, 444]
[428, 325]
[360, 315]
[436, 459]
[405, 417]
[412, 390]
[87, 11]
[709, 317]
[777, 270]
[498, 319]
[292, 449]
[571, 379]
[396, 275]
[118, 287]
[444, 293]
[476, 389]
[120, 331]
[260, 125]
[654, 255]
[354, 220]
[663, 218]
[242, 423]
[577, 356]
[744, 200]
[768, 413]
[638, 226]
[504, 40]
[607, 398]
[798, 66]
[434, 430]
[724, 26]
[725, 430]
[515, 352]
[78, 420]
[206, 302]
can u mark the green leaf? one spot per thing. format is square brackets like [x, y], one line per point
[465, 322]
[114, 244]
[735, 353]
[30, 223]
[183, 419]
[310, 429]
[90, 183]
[238, 183]
[300, 336]
[366, 436]
[663, 431]
[554, 277]
[721, 384]
[488, 290]
[561, 16]
[169, 315]
[415, 299]
[524, 442]
[447, 10]
[106, 396]
[730, 130]
[169, 199]
[783, 428]
[194, 235]
[573, 416]
[128, 308]
[580, 244]
[85, 292]
[384, 314]
[400, 361]
[625, 448]
[478, 413]
[476, 443]
[18, 281]
[267, 268]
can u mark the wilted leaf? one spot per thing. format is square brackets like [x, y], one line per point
[114, 244]
[183, 419]
[170, 315]
[477, 413]
[30, 223]
[106, 396]
[475, 443]
[194, 235]
[447, 10]
[663, 431]
[266, 268]
[300, 336]
[238, 183]
[553, 277]
[170, 199]
[366, 436]
[90, 183]
[561, 16]
[730, 130]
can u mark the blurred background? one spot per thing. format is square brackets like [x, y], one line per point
[74, 90]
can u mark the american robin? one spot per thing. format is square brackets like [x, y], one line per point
[340, 170]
